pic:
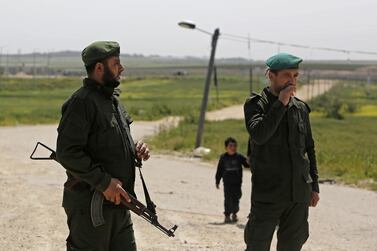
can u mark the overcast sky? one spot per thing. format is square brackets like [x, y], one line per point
[150, 26]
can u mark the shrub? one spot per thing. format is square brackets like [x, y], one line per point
[334, 109]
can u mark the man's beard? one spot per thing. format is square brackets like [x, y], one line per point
[109, 78]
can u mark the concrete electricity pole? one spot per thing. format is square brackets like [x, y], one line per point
[215, 37]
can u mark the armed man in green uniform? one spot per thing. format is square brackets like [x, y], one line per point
[96, 148]
[283, 161]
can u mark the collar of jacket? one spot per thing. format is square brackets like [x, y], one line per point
[293, 102]
[270, 97]
[107, 91]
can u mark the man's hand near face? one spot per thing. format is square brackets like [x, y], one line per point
[286, 94]
[283, 84]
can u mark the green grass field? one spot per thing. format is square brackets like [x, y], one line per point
[346, 149]
[33, 101]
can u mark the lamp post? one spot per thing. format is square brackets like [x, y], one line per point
[215, 35]
[1, 54]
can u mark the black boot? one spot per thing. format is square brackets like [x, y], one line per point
[234, 218]
[227, 219]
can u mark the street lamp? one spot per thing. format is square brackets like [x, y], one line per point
[187, 24]
[215, 35]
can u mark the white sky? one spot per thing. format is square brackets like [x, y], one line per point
[150, 26]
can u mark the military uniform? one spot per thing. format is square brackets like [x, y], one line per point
[283, 165]
[94, 145]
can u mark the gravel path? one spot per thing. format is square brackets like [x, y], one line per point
[31, 217]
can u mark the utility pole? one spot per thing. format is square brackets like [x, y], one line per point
[216, 83]
[251, 67]
[312, 81]
[2, 68]
[1, 54]
[308, 84]
[203, 108]
[48, 64]
[215, 37]
[17, 63]
[249, 45]
[6, 70]
[368, 84]
[251, 80]
[34, 62]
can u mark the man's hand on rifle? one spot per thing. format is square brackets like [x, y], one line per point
[115, 191]
[142, 150]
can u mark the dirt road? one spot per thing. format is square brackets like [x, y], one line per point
[31, 217]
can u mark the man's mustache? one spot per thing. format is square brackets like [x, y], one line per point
[285, 86]
[288, 84]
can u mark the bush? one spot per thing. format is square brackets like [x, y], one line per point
[334, 109]
[352, 107]
[191, 118]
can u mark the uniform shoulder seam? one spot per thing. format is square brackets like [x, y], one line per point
[255, 97]
[306, 105]
[82, 93]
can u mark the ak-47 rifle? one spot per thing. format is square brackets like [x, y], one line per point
[146, 212]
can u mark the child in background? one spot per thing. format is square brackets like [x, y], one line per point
[229, 169]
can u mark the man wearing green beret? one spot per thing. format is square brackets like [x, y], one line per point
[96, 148]
[283, 161]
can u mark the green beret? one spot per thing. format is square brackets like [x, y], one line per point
[98, 51]
[282, 61]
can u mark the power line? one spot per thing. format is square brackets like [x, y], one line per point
[244, 39]
[233, 39]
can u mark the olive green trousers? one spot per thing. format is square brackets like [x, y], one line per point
[115, 235]
[291, 220]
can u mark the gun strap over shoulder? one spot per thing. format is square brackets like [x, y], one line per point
[150, 205]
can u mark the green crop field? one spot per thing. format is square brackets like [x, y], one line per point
[33, 101]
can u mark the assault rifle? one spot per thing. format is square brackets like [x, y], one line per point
[148, 212]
